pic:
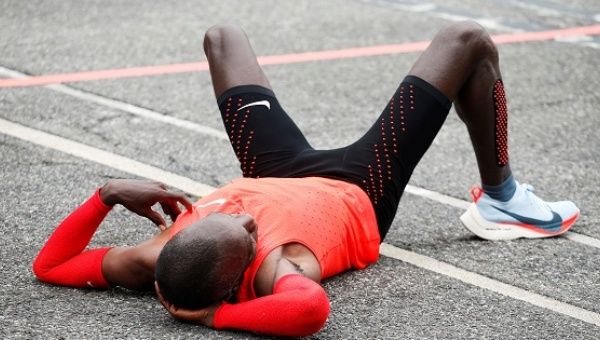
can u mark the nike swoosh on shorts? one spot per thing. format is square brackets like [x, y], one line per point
[258, 103]
[556, 220]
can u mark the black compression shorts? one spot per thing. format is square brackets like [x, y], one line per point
[269, 144]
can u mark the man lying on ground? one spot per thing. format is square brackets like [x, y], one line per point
[250, 256]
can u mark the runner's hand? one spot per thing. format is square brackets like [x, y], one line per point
[203, 316]
[139, 196]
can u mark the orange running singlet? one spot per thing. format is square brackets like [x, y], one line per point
[332, 218]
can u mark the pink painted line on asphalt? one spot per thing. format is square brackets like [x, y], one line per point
[284, 58]
[104, 74]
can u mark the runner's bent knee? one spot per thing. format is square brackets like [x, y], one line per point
[469, 37]
[215, 36]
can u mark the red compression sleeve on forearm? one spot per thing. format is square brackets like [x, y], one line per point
[61, 260]
[297, 307]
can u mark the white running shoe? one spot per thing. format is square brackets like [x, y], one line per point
[524, 215]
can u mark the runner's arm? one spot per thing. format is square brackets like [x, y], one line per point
[63, 261]
[298, 306]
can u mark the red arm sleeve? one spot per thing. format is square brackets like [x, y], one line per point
[297, 307]
[61, 260]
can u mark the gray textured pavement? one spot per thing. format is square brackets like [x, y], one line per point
[554, 104]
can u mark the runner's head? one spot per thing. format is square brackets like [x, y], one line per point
[205, 262]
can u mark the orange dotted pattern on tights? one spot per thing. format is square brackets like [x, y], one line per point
[393, 124]
[501, 127]
[240, 139]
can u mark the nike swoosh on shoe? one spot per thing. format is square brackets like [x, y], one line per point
[258, 103]
[554, 223]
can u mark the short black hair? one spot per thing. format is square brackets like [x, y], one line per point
[195, 270]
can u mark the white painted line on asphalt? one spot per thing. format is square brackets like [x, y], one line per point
[575, 39]
[583, 239]
[433, 195]
[424, 7]
[195, 188]
[418, 8]
[438, 197]
[436, 11]
[458, 203]
[6, 72]
[125, 164]
[490, 284]
[539, 10]
[138, 111]
[122, 106]
[103, 157]
[488, 23]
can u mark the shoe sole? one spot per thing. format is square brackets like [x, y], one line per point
[487, 230]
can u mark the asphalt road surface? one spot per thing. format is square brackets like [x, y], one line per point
[62, 131]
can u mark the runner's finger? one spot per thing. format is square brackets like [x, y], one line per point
[156, 218]
[181, 198]
[171, 208]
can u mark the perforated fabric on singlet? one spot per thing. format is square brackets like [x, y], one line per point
[332, 218]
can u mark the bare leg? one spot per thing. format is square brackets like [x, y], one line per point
[231, 59]
[462, 62]
[263, 136]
